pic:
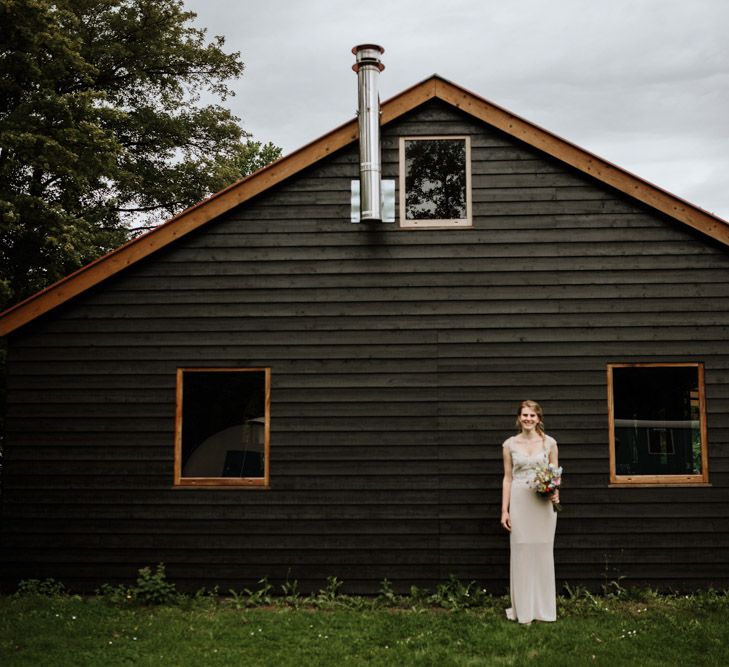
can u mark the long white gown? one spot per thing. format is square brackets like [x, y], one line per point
[533, 523]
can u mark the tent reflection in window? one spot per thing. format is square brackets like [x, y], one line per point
[237, 451]
[222, 427]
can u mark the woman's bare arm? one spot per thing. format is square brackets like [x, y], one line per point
[506, 490]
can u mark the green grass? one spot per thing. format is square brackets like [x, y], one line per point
[641, 630]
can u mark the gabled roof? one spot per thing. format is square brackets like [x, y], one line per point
[435, 87]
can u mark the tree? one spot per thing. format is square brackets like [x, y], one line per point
[102, 129]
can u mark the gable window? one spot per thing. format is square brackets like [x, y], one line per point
[435, 181]
[657, 416]
[222, 427]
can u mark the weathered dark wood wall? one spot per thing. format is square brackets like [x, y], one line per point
[397, 358]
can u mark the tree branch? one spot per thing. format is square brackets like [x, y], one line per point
[146, 209]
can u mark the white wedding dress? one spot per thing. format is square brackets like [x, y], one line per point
[533, 523]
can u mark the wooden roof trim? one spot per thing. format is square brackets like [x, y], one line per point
[191, 219]
[182, 224]
[175, 228]
[584, 161]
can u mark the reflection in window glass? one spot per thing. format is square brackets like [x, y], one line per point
[435, 179]
[657, 417]
[223, 424]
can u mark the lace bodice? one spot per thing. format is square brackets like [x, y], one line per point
[524, 466]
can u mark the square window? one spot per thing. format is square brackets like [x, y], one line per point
[222, 427]
[435, 181]
[657, 424]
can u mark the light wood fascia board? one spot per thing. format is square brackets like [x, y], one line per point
[193, 218]
[175, 228]
[408, 100]
[182, 224]
[584, 161]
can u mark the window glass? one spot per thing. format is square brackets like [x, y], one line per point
[435, 181]
[657, 420]
[222, 424]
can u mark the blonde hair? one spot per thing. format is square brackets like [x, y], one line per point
[533, 405]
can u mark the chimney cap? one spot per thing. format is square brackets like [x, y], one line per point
[368, 54]
[359, 47]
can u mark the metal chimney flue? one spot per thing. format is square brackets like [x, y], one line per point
[368, 68]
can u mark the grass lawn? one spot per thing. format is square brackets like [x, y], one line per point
[69, 630]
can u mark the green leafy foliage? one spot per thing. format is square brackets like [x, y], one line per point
[327, 596]
[153, 587]
[254, 598]
[41, 587]
[102, 129]
[387, 596]
[454, 594]
[116, 594]
[291, 594]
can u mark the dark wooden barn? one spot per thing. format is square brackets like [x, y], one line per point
[261, 387]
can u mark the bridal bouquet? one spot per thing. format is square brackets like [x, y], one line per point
[547, 481]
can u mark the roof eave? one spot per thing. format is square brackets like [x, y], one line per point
[434, 87]
[589, 163]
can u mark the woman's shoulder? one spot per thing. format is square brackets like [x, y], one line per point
[549, 441]
[507, 443]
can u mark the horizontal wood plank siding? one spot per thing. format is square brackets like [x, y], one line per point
[397, 359]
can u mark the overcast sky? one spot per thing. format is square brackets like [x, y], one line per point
[641, 83]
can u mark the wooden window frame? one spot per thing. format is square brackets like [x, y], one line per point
[460, 223]
[222, 482]
[659, 480]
